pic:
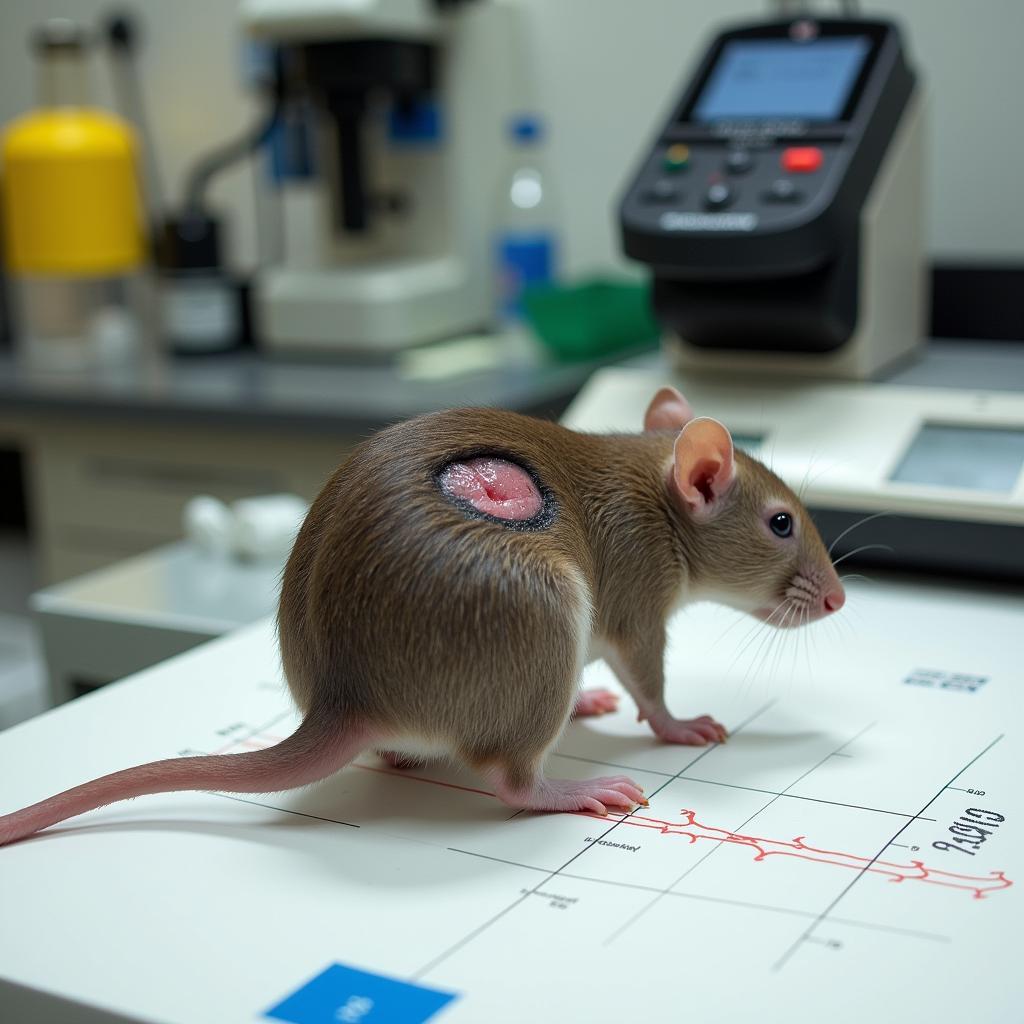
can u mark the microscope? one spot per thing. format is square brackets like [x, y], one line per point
[386, 244]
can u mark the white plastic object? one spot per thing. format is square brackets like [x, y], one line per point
[265, 527]
[259, 529]
[208, 524]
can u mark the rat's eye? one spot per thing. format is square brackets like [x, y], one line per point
[781, 524]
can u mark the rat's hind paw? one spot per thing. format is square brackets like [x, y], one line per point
[595, 702]
[694, 732]
[595, 796]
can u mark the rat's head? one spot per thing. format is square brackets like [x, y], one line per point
[755, 546]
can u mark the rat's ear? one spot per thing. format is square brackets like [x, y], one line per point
[668, 411]
[704, 468]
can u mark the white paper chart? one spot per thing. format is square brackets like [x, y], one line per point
[854, 850]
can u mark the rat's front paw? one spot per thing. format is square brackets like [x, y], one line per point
[694, 732]
[595, 702]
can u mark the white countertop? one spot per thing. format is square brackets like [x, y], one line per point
[788, 872]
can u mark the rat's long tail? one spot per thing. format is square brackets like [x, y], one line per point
[318, 748]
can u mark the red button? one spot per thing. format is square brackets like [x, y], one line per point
[802, 159]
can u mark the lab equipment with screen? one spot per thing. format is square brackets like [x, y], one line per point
[780, 206]
[762, 78]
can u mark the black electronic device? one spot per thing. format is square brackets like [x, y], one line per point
[780, 206]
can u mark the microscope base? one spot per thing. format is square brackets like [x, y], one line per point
[370, 310]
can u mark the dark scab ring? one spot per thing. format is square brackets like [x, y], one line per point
[540, 520]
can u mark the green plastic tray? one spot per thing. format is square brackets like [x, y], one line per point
[592, 318]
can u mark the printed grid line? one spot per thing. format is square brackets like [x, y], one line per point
[808, 933]
[717, 846]
[244, 738]
[701, 897]
[749, 789]
[455, 947]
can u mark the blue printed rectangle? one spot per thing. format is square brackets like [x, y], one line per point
[344, 995]
[960, 682]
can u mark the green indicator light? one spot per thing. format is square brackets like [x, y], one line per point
[677, 157]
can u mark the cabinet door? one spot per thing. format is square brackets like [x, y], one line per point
[102, 493]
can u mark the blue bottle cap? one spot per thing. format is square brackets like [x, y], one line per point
[526, 128]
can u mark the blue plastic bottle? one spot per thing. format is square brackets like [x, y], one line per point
[526, 244]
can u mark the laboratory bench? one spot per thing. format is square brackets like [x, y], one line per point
[112, 456]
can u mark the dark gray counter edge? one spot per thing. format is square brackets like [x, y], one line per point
[246, 392]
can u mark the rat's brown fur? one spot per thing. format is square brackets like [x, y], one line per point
[402, 614]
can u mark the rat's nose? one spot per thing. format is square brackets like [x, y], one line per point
[835, 599]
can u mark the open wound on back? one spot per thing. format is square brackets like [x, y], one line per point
[493, 486]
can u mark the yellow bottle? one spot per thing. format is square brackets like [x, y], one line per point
[70, 195]
[71, 212]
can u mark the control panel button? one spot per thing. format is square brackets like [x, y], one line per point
[718, 195]
[662, 191]
[738, 161]
[677, 157]
[782, 190]
[802, 159]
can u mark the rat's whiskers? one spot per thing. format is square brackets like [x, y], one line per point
[850, 529]
[763, 652]
[782, 641]
[855, 576]
[857, 551]
[740, 618]
[757, 629]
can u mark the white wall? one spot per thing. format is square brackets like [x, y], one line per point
[606, 69]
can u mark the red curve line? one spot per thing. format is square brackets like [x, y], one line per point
[915, 871]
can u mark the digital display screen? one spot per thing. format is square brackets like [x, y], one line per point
[971, 458]
[761, 78]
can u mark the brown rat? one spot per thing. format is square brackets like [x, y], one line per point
[456, 574]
